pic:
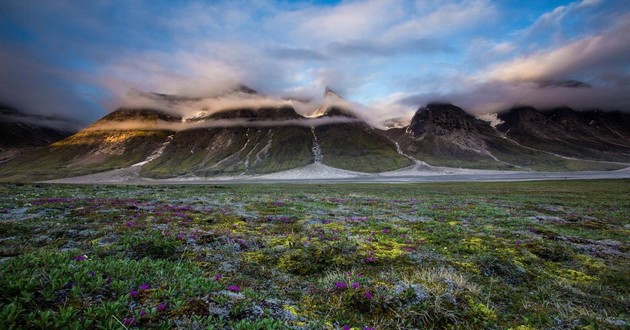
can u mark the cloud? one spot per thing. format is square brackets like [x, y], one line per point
[552, 20]
[443, 19]
[349, 20]
[81, 59]
[40, 88]
[496, 96]
[376, 48]
[296, 54]
[586, 55]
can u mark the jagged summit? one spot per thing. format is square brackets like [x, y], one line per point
[328, 92]
[245, 89]
[333, 105]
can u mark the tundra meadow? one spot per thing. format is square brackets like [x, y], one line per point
[528, 255]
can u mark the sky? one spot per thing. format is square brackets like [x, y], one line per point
[81, 59]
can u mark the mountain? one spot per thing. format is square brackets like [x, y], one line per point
[268, 140]
[445, 135]
[593, 135]
[254, 145]
[351, 143]
[94, 149]
[239, 141]
[21, 132]
[251, 138]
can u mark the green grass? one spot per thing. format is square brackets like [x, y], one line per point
[525, 255]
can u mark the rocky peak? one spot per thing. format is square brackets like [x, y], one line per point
[441, 119]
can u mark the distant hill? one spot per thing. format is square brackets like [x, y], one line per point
[21, 132]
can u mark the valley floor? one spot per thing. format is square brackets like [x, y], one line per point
[320, 173]
[519, 255]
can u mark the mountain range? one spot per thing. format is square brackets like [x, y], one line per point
[158, 142]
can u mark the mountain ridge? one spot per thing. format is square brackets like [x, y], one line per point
[439, 134]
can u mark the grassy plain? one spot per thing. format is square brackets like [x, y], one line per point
[525, 255]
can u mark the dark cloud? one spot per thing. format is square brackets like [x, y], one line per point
[37, 87]
[375, 48]
[296, 54]
[497, 96]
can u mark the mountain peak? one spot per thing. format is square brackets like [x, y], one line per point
[245, 89]
[440, 119]
[328, 92]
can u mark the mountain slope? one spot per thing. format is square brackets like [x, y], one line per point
[94, 149]
[591, 135]
[354, 146]
[445, 135]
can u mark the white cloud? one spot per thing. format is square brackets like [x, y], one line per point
[589, 53]
[443, 19]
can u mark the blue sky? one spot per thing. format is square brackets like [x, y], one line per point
[80, 58]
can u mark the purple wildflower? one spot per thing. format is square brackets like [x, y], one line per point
[346, 327]
[129, 321]
[370, 260]
[355, 285]
[80, 257]
[368, 328]
[218, 277]
[134, 293]
[368, 295]
[340, 285]
[144, 286]
[91, 274]
[386, 230]
[143, 313]
[234, 288]
[161, 307]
